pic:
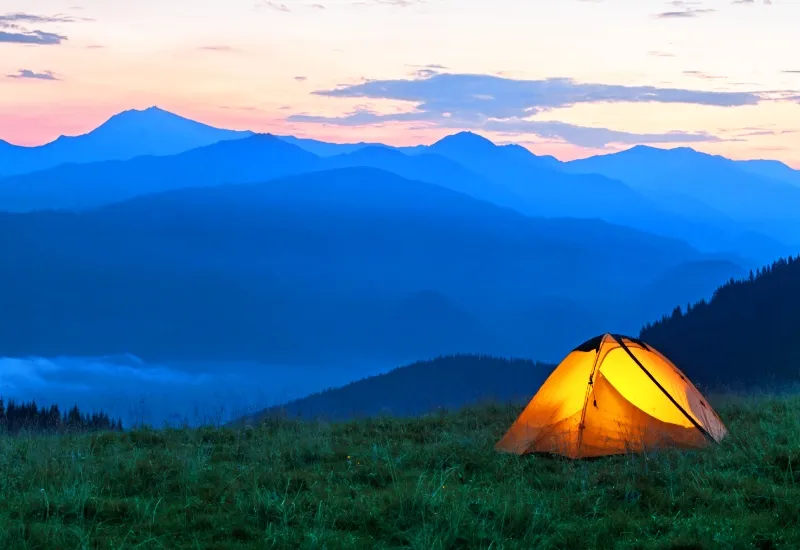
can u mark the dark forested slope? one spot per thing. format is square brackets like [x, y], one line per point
[747, 335]
[443, 383]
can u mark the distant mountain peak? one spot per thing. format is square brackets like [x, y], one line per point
[151, 109]
[465, 139]
[643, 148]
[664, 151]
[377, 150]
[516, 147]
[161, 123]
[258, 136]
[148, 113]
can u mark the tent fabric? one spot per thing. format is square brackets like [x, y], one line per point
[611, 395]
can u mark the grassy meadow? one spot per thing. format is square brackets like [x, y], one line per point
[427, 483]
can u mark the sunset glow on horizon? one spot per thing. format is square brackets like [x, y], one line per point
[571, 79]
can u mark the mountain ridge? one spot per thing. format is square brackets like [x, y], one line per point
[743, 337]
[451, 382]
[325, 253]
[123, 136]
[533, 185]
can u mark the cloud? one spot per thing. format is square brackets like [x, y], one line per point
[763, 133]
[686, 9]
[32, 37]
[432, 66]
[27, 73]
[274, 6]
[582, 136]
[218, 48]
[595, 137]
[301, 78]
[701, 74]
[397, 3]
[477, 97]
[656, 53]
[683, 13]
[12, 30]
[317, 6]
[11, 18]
[240, 108]
[426, 71]
[782, 95]
[359, 117]
[497, 104]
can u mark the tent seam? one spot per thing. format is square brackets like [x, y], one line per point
[586, 397]
[663, 390]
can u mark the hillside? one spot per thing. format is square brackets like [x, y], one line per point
[434, 482]
[701, 278]
[429, 168]
[447, 383]
[125, 135]
[256, 158]
[325, 149]
[746, 335]
[771, 169]
[512, 176]
[317, 266]
[683, 176]
[508, 176]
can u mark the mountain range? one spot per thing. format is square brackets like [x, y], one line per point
[171, 239]
[353, 260]
[451, 382]
[606, 188]
[125, 135]
[724, 188]
[743, 338]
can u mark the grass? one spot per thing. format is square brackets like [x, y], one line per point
[428, 483]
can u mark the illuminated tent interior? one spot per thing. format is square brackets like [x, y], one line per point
[612, 395]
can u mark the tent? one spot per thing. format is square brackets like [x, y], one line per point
[613, 394]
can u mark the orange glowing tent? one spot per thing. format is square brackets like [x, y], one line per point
[613, 394]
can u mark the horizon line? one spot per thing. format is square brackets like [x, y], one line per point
[155, 107]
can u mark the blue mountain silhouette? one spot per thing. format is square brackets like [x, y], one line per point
[450, 382]
[430, 168]
[771, 169]
[764, 205]
[125, 135]
[507, 175]
[325, 149]
[79, 186]
[321, 265]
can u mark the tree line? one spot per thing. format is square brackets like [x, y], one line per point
[747, 334]
[16, 417]
[446, 382]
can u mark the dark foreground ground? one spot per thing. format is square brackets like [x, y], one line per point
[429, 483]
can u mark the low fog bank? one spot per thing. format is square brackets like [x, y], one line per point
[137, 392]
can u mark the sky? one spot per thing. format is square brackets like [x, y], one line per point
[569, 78]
